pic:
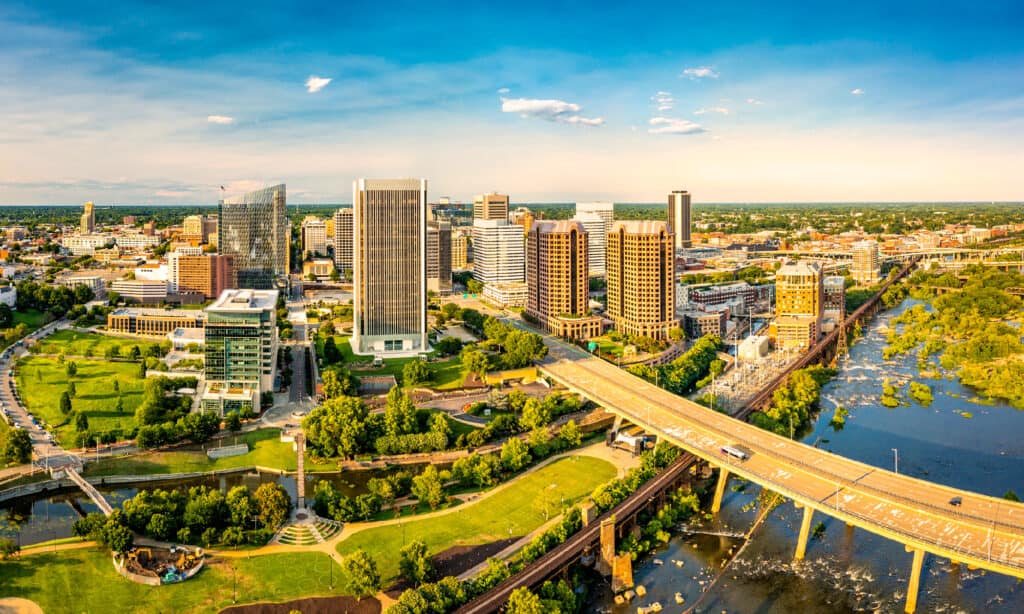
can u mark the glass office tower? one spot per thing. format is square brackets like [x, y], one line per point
[253, 228]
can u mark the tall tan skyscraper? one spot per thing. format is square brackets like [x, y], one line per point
[557, 279]
[460, 248]
[88, 225]
[798, 304]
[389, 263]
[343, 242]
[641, 288]
[490, 206]
[865, 268]
[679, 217]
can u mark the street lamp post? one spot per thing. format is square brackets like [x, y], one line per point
[896, 460]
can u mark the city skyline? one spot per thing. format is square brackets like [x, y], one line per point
[760, 105]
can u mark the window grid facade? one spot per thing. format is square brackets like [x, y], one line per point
[253, 228]
[389, 257]
[641, 296]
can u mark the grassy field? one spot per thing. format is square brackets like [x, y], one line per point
[448, 374]
[487, 520]
[76, 343]
[85, 581]
[41, 381]
[32, 318]
[265, 450]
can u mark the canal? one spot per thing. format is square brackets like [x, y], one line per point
[852, 570]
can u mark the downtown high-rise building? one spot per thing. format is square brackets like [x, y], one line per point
[557, 279]
[679, 217]
[240, 349]
[498, 256]
[206, 274]
[88, 222]
[597, 236]
[641, 278]
[253, 228]
[460, 248]
[343, 242]
[866, 267]
[799, 293]
[604, 210]
[314, 237]
[439, 257]
[389, 265]
[490, 206]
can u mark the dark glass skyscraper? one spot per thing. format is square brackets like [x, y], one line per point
[254, 229]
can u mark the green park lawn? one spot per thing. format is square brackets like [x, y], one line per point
[84, 580]
[42, 380]
[32, 318]
[484, 521]
[447, 374]
[265, 450]
[77, 343]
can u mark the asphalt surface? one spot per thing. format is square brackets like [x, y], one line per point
[980, 530]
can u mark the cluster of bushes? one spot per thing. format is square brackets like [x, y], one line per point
[794, 403]
[328, 502]
[482, 470]
[683, 374]
[206, 516]
[680, 506]
[342, 426]
[610, 494]
[163, 417]
[110, 531]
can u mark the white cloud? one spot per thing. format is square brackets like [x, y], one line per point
[220, 119]
[754, 101]
[701, 72]
[314, 83]
[857, 91]
[504, 90]
[706, 110]
[663, 101]
[548, 109]
[668, 125]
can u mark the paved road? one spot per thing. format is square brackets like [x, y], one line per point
[47, 452]
[982, 530]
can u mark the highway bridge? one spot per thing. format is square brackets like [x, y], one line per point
[972, 529]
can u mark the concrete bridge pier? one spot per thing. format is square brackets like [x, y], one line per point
[914, 585]
[805, 530]
[723, 479]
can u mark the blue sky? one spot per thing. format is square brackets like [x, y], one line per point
[552, 101]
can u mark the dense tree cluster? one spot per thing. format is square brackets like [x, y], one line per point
[206, 516]
[794, 403]
[110, 531]
[682, 375]
[56, 300]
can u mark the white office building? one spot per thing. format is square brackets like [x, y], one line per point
[597, 240]
[499, 253]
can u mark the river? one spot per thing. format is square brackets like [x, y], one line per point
[853, 570]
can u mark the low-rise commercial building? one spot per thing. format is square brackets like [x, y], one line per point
[154, 322]
[141, 291]
[320, 268]
[506, 295]
[700, 323]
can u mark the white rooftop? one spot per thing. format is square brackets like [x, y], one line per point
[245, 300]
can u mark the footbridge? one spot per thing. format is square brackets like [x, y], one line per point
[88, 489]
[964, 527]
